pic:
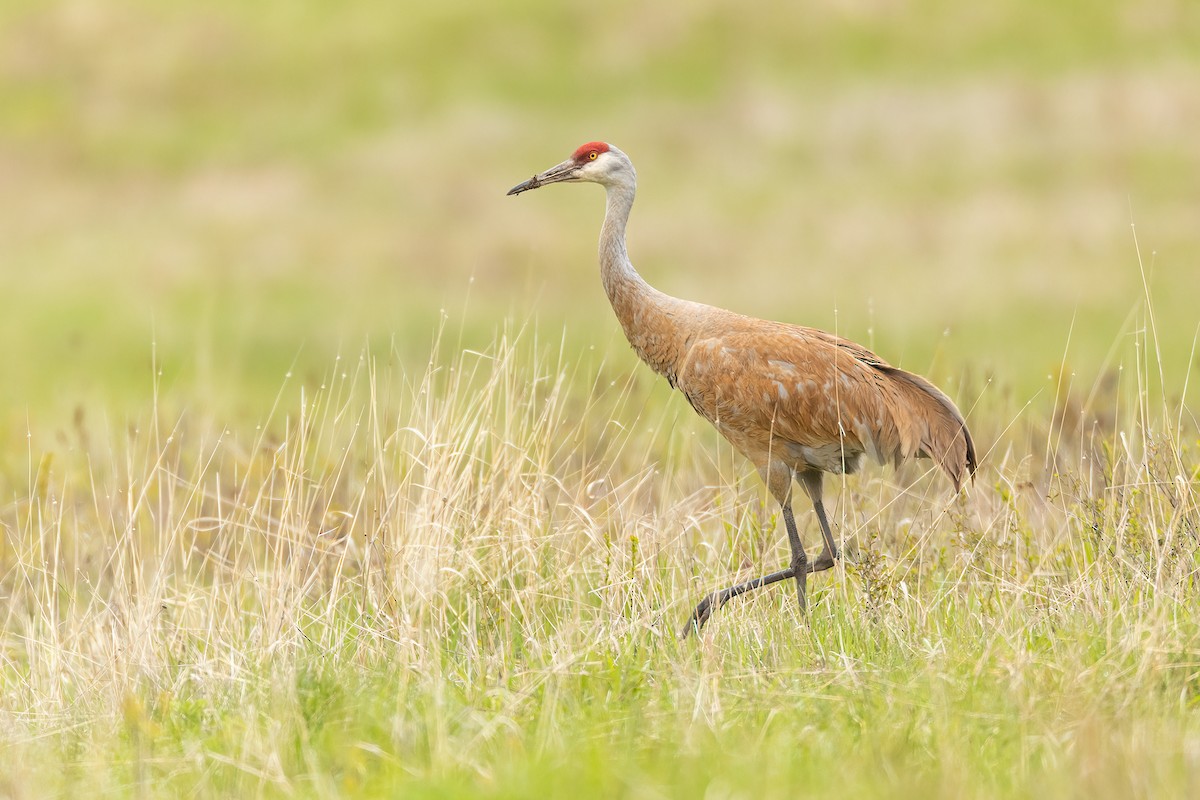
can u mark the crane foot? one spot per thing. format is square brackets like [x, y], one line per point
[824, 561]
[718, 599]
[702, 613]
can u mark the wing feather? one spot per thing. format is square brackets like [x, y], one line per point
[766, 385]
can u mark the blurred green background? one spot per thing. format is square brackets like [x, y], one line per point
[244, 189]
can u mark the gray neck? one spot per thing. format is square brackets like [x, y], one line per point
[650, 319]
[616, 270]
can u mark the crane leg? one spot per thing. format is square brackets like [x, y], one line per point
[716, 600]
[799, 558]
[799, 569]
[811, 481]
[779, 483]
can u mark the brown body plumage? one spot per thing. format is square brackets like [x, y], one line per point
[796, 401]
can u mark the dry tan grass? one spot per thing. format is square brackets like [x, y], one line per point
[491, 534]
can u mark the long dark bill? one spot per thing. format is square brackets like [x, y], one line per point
[562, 172]
[532, 183]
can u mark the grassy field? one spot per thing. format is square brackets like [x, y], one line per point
[325, 470]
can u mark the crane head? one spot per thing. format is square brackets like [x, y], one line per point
[596, 162]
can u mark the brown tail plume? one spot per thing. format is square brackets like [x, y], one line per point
[938, 426]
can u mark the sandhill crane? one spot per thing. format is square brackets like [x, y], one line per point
[798, 402]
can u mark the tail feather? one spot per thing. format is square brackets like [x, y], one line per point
[935, 427]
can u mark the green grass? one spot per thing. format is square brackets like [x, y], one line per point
[471, 584]
[325, 470]
[280, 183]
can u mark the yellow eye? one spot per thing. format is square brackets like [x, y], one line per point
[592, 155]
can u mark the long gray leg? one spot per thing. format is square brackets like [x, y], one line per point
[811, 481]
[799, 558]
[798, 569]
[716, 600]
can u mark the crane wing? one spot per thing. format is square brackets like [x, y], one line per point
[824, 399]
